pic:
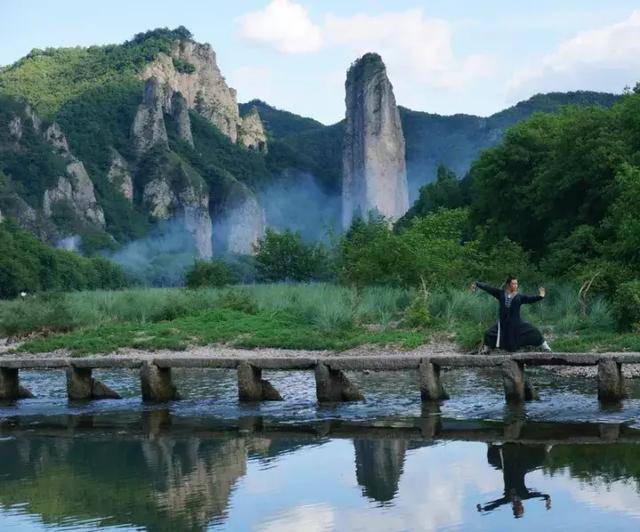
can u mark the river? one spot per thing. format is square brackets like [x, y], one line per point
[391, 463]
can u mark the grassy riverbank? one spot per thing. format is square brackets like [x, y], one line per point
[305, 316]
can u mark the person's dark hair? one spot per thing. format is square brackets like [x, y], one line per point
[509, 279]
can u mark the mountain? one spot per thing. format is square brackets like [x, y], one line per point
[141, 150]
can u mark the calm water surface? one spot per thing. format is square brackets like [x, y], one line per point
[207, 463]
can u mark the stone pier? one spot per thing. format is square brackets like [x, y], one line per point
[10, 388]
[430, 386]
[517, 388]
[81, 386]
[332, 385]
[156, 384]
[252, 387]
[611, 382]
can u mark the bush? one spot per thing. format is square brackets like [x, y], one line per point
[285, 257]
[214, 273]
[627, 305]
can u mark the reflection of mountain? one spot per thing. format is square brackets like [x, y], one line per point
[379, 465]
[162, 484]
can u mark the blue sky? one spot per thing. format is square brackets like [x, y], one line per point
[442, 56]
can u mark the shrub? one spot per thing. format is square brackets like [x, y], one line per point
[285, 257]
[214, 273]
[627, 305]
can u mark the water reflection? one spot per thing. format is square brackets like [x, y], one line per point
[515, 461]
[160, 472]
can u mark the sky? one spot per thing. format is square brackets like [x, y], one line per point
[446, 57]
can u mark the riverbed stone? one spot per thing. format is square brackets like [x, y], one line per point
[252, 387]
[332, 385]
[431, 388]
[156, 384]
[611, 382]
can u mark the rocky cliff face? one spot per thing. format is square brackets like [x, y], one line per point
[119, 175]
[191, 69]
[179, 192]
[252, 133]
[148, 127]
[374, 172]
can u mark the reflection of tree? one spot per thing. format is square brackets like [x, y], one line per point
[379, 464]
[597, 461]
[515, 460]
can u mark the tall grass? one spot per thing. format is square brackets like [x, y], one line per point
[325, 306]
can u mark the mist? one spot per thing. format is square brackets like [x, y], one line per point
[302, 206]
[161, 257]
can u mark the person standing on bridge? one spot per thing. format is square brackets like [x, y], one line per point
[512, 332]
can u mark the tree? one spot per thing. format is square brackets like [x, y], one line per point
[285, 257]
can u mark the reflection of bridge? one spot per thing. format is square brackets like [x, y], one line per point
[182, 471]
[331, 382]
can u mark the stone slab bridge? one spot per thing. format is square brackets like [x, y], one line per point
[332, 385]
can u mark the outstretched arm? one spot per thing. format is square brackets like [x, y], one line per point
[534, 299]
[495, 292]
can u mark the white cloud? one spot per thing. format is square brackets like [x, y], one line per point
[284, 26]
[308, 517]
[415, 48]
[252, 82]
[605, 59]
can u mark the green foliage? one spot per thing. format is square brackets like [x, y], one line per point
[182, 66]
[26, 264]
[627, 305]
[446, 192]
[456, 141]
[50, 78]
[285, 257]
[213, 273]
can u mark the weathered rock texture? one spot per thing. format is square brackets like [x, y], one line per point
[611, 382]
[252, 387]
[76, 188]
[120, 176]
[374, 174]
[332, 385]
[156, 384]
[179, 192]
[204, 89]
[148, 126]
[252, 133]
[180, 113]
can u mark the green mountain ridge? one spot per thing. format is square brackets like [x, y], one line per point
[69, 112]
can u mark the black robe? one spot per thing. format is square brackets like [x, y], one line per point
[511, 332]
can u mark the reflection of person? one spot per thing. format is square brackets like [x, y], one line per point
[515, 460]
[511, 332]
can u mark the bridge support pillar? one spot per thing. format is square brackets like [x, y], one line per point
[611, 383]
[156, 384]
[252, 387]
[517, 388]
[10, 388]
[332, 385]
[430, 386]
[81, 386]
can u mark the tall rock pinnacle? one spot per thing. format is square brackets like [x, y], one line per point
[374, 176]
